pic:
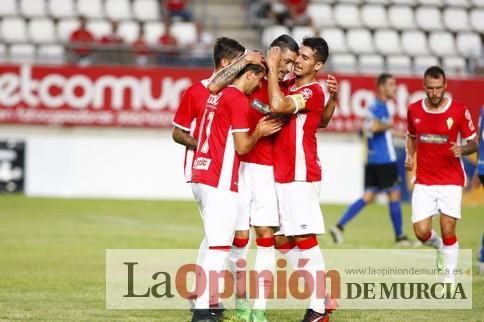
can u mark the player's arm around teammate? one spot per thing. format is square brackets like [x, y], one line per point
[330, 106]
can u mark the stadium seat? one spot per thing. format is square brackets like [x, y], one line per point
[90, 8]
[454, 65]
[31, 8]
[421, 63]
[442, 43]
[42, 30]
[300, 32]
[415, 43]
[360, 41]
[118, 9]
[374, 16]
[401, 17]
[371, 64]
[469, 44]
[344, 63]
[382, 2]
[336, 39]
[428, 18]
[456, 19]
[3, 53]
[347, 15]
[8, 8]
[477, 19]
[321, 14]
[22, 53]
[185, 32]
[52, 54]
[14, 30]
[65, 27]
[62, 8]
[128, 30]
[399, 65]
[387, 42]
[99, 28]
[271, 32]
[153, 31]
[146, 10]
[457, 3]
[405, 2]
[478, 3]
[431, 3]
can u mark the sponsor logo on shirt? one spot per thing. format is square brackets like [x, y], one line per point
[201, 163]
[214, 99]
[434, 138]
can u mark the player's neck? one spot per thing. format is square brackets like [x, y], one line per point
[382, 98]
[239, 84]
[439, 107]
[305, 79]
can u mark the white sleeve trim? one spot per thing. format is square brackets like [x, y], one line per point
[240, 130]
[181, 127]
[413, 136]
[471, 137]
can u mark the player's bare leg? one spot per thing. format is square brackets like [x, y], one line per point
[287, 246]
[428, 236]
[450, 247]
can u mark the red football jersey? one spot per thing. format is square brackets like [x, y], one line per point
[434, 132]
[295, 145]
[262, 151]
[216, 164]
[188, 117]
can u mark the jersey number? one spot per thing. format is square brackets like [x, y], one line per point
[205, 146]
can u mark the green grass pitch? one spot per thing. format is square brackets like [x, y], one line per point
[52, 256]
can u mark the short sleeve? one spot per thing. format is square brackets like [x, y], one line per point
[185, 114]
[410, 126]
[239, 116]
[315, 102]
[467, 128]
[378, 112]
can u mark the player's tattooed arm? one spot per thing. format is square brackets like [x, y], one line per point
[183, 137]
[226, 75]
[332, 84]
[279, 103]
[470, 147]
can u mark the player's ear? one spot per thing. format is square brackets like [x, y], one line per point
[224, 62]
[318, 66]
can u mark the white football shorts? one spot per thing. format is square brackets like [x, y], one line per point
[428, 201]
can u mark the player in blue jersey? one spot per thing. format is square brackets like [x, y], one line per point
[478, 179]
[381, 174]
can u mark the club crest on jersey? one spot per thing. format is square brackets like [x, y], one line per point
[450, 122]
[307, 93]
[213, 99]
[417, 121]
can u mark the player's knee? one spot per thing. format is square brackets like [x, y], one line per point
[283, 242]
[422, 233]
[242, 234]
[263, 232]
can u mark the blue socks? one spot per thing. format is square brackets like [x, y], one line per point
[396, 216]
[352, 211]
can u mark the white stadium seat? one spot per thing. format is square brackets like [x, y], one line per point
[300, 32]
[146, 10]
[271, 32]
[405, 2]
[65, 27]
[401, 17]
[3, 53]
[90, 8]
[371, 64]
[383, 2]
[457, 3]
[469, 44]
[185, 32]
[31, 8]
[431, 3]
[442, 43]
[62, 8]
[128, 30]
[456, 19]
[336, 39]
[22, 53]
[321, 14]
[42, 30]
[478, 3]
[399, 65]
[454, 65]
[428, 18]
[153, 31]
[347, 15]
[118, 9]
[421, 63]
[344, 63]
[360, 41]
[374, 16]
[477, 19]
[8, 8]
[387, 42]
[52, 54]
[99, 28]
[414, 43]
[14, 30]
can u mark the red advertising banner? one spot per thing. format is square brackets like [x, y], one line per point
[149, 97]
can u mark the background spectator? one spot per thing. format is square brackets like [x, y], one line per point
[113, 37]
[169, 45]
[141, 49]
[81, 42]
[201, 48]
[176, 8]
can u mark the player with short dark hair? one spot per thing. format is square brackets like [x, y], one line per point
[435, 125]
[381, 172]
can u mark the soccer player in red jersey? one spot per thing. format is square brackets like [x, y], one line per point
[434, 127]
[223, 136]
[297, 168]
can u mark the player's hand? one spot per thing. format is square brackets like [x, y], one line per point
[333, 87]
[273, 58]
[456, 149]
[268, 126]
[254, 57]
[408, 163]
